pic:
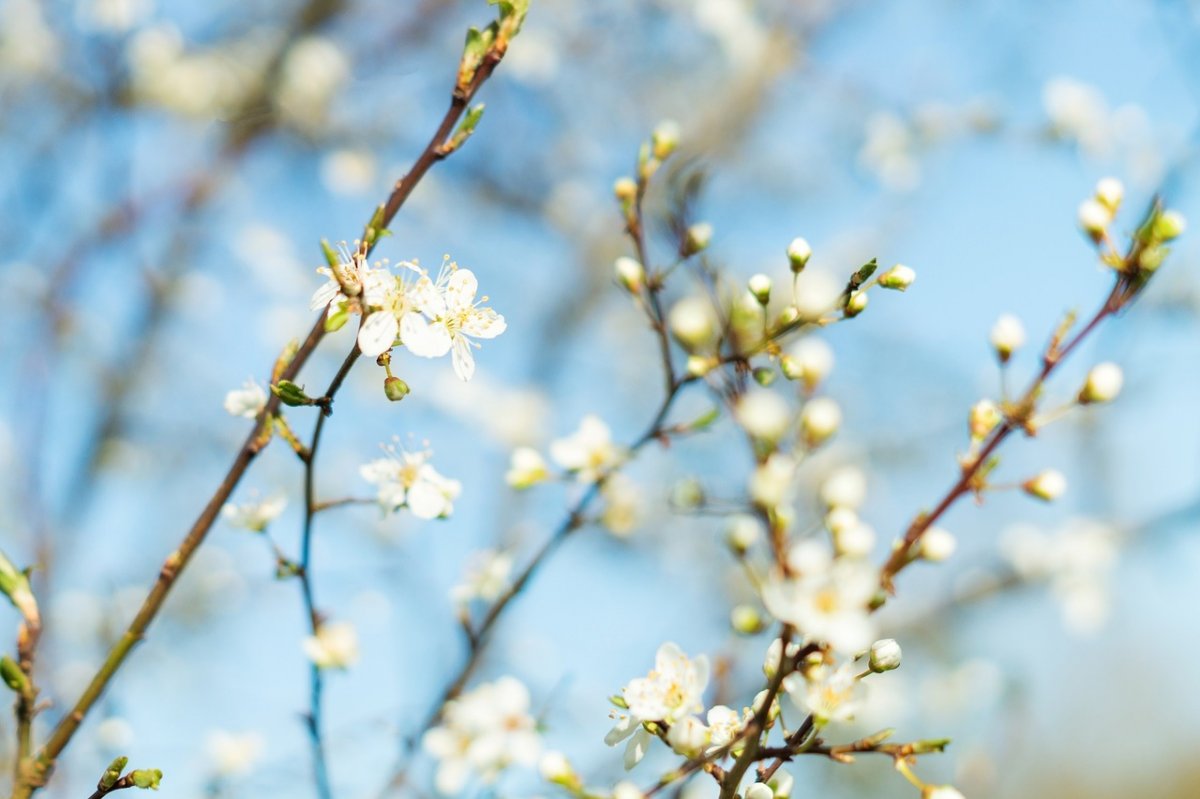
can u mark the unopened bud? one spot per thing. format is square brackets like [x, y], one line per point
[763, 414]
[744, 531]
[12, 675]
[146, 778]
[819, 420]
[688, 736]
[664, 139]
[759, 790]
[798, 253]
[1048, 485]
[698, 237]
[693, 322]
[1008, 336]
[983, 419]
[113, 773]
[885, 655]
[1169, 225]
[687, 494]
[760, 287]
[700, 365]
[625, 190]
[290, 394]
[856, 304]
[746, 620]
[395, 389]
[852, 540]
[1094, 218]
[899, 278]
[1103, 384]
[808, 361]
[1109, 193]
[937, 545]
[554, 767]
[940, 792]
[630, 274]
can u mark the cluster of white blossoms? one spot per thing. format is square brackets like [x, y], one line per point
[407, 480]
[483, 732]
[427, 316]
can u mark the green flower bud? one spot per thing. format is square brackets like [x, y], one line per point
[12, 675]
[113, 773]
[290, 394]
[395, 389]
[146, 778]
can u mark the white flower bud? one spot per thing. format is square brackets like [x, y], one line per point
[940, 792]
[665, 139]
[1008, 336]
[819, 420]
[798, 253]
[698, 237]
[899, 277]
[630, 274]
[845, 487]
[625, 190]
[1170, 225]
[783, 783]
[809, 360]
[688, 736]
[763, 414]
[744, 532]
[857, 303]
[885, 655]
[700, 365]
[759, 790]
[1048, 485]
[1109, 192]
[760, 287]
[554, 767]
[526, 468]
[627, 790]
[937, 544]
[983, 419]
[771, 482]
[838, 520]
[1094, 218]
[856, 540]
[1103, 384]
[746, 619]
[693, 322]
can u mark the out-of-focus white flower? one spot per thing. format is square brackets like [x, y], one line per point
[744, 531]
[817, 293]
[533, 57]
[335, 646]
[622, 505]
[450, 318]
[348, 172]
[759, 286]
[845, 487]
[116, 16]
[234, 754]
[828, 599]
[630, 273]
[983, 419]
[526, 468]
[482, 733]
[589, 452]
[831, 694]
[698, 237]
[627, 790]
[487, 576]
[772, 482]
[27, 44]
[1077, 561]
[798, 253]
[888, 152]
[724, 724]
[940, 792]
[1094, 218]
[254, 515]
[314, 69]
[1079, 113]
[114, 733]
[1110, 192]
[247, 401]
[763, 414]
[407, 480]
[855, 540]
[554, 767]
[760, 790]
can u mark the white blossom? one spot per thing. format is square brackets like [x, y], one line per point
[827, 600]
[834, 694]
[673, 689]
[482, 733]
[234, 754]
[589, 452]
[247, 401]
[526, 468]
[407, 480]
[449, 319]
[487, 576]
[335, 645]
[254, 515]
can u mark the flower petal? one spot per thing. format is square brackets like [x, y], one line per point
[378, 333]
[426, 501]
[422, 338]
[461, 290]
[484, 323]
[324, 294]
[425, 295]
[464, 361]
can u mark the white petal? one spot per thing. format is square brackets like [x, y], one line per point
[461, 290]
[464, 361]
[422, 338]
[321, 297]
[635, 750]
[378, 333]
[484, 323]
[427, 298]
[426, 501]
